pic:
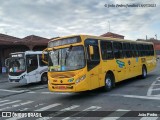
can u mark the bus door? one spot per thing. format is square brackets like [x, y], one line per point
[32, 67]
[93, 62]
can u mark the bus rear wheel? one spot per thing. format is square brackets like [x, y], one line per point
[109, 82]
[144, 72]
[44, 79]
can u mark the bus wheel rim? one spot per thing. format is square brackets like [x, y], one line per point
[44, 78]
[108, 82]
[144, 72]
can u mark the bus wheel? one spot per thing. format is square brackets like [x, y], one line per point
[144, 72]
[44, 79]
[109, 82]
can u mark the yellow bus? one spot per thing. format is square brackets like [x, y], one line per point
[83, 62]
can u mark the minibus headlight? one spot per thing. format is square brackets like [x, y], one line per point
[80, 79]
[22, 77]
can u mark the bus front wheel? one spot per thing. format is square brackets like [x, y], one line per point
[44, 79]
[109, 82]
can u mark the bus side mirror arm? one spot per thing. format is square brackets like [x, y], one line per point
[43, 58]
[7, 62]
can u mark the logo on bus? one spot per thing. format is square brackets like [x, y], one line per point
[120, 63]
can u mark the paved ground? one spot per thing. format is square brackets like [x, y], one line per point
[128, 96]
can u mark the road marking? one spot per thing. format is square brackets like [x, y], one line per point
[10, 102]
[47, 93]
[156, 89]
[48, 107]
[3, 101]
[140, 97]
[54, 93]
[158, 78]
[149, 92]
[149, 118]
[92, 108]
[31, 92]
[60, 112]
[156, 84]
[16, 105]
[41, 109]
[13, 90]
[110, 116]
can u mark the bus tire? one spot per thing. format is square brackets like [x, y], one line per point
[144, 72]
[44, 78]
[109, 82]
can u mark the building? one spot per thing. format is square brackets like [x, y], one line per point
[112, 35]
[10, 44]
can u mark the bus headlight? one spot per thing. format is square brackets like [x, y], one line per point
[22, 76]
[80, 79]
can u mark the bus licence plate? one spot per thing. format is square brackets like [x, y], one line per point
[62, 87]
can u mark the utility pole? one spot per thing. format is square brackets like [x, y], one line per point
[146, 37]
[109, 26]
[156, 36]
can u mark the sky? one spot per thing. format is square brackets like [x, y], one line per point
[53, 18]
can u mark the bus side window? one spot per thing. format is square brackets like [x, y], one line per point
[127, 50]
[151, 50]
[107, 50]
[134, 50]
[117, 50]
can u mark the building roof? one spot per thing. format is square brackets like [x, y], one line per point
[35, 40]
[7, 39]
[108, 34]
[29, 40]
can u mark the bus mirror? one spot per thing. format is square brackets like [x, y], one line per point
[7, 62]
[30, 61]
[91, 50]
[43, 56]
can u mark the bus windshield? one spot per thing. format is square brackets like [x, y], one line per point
[66, 59]
[16, 65]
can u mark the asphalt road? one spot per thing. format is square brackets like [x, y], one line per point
[129, 98]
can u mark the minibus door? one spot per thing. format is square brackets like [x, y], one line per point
[32, 66]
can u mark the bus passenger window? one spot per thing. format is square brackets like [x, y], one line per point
[127, 50]
[106, 50]
[117, 50]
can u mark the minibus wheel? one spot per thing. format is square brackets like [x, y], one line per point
[144, 72]
[44, 78]
[109, 82]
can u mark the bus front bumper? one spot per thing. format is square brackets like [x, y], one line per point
[21, 81]
[67, 87]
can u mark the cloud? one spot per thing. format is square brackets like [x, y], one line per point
[51, 18]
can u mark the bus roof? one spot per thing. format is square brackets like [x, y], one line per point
[102, 38]
[28, 52]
